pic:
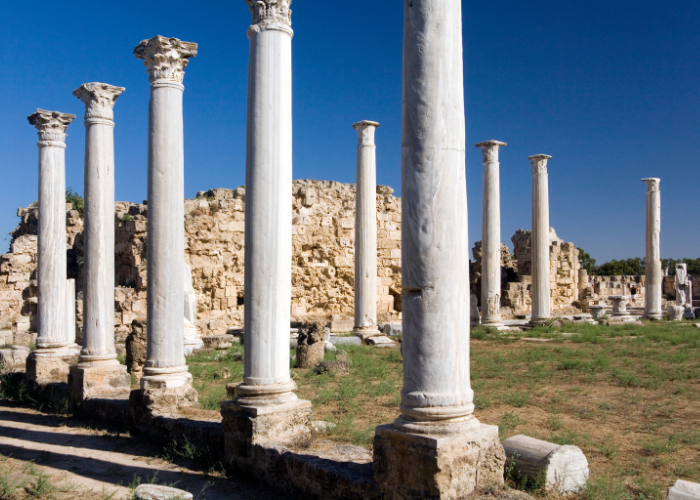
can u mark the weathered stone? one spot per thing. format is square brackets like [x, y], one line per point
[310, 345]
[541, 269]
[653, 271]
[391, 329]
[45, 366]
[108, 381]
[380, 341]
[25, 339]
[14, 359]
[446, 467]
[335, 340]
[158, 492]
[684, 490]
[219, 342]
[334, 366]
[675, 312]
[136, 348]
[562, 468]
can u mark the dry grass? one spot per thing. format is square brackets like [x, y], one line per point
[628, 396]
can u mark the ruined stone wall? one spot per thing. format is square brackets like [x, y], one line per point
[563, 272]
[322, 264]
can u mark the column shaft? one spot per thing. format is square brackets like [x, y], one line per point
[366, 231]
[435, 254]
[491, 237]
[540, 240]
[98, 269]
[268, 221]
[653, 272]
[166, 234]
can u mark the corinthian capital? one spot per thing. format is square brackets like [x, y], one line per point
[652, 183]
[539, 163]
[270, 11]
[489, 150]
[165, 58]
[99, 99]
[51, 125]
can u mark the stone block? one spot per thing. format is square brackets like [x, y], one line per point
[219, 342]
[159, 492]
[380, 341]
[165, 394]
[563, 468]
[445, 467]
[6, 338]
[684, 490]
[25, 338]
[391, 329]
[351, 340]
[675, 313]
[99, 382]
[46, 366]
[247, 427]
[14, 359]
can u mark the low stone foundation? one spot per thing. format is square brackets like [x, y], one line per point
[46, 366]
[99, 382]
[445, 467]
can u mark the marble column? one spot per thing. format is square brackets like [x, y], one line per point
[53, 356]
[70, 312]
[541, 311]
[654, 275]
[267, 394]
[436, 444]
[491, 237]
[165, 376]
[366, 232]
[98, 374]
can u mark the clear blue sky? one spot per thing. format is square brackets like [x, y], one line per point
[610, 89]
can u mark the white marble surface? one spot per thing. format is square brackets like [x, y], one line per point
[435, 251]
[491, 236]
[268, 221]
[51, 235]
[653, 271]
[165, 59]
[70, 312]
[541, 310]
[98, 267]
[366, 231]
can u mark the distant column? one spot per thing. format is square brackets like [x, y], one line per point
[541, 311]
[491, 237]
[366, 231]
[50, 362]
[70, 312]
[653, 272]
[267, 394]
[165, 371]
[99, 374]
[436, 448]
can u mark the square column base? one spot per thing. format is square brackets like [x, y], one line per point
[165, 394]
[48, 366]
[99, 382]
[445, 467]
[247, 427]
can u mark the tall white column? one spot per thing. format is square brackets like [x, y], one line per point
[491, 236]
[436, 399]
[366, 231]
[267, 391]
[52, 339]
[268, 206]
[653, 272]
[165, 60]
[98, 267]
[99, 374]
[541, 311]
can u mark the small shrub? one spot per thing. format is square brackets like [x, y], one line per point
[126, 218]
[76, 200]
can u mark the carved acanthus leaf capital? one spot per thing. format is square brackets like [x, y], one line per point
[98, 99]
[165, 58]
[51, 125]
[652, 183]
[270, 11]
[489, 150]
[539, 163]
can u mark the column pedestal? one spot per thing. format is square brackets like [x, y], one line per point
[51, 365]
[247, 428]
[101, 381]
[437, 466]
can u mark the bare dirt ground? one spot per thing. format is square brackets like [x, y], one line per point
[82, 463]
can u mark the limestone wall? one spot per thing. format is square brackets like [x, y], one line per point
[564, 275]
[322, 264]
